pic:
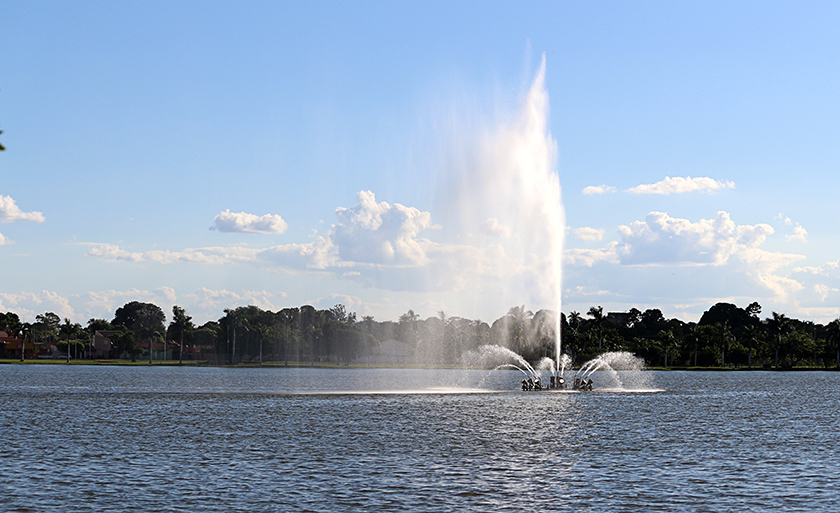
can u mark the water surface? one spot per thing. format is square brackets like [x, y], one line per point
[91, 438]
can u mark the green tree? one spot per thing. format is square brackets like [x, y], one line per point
[833, 332]
[779, 326]
[181, 326]
[597, 314]
[751, 335]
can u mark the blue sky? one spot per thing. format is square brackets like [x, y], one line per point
[400, 155]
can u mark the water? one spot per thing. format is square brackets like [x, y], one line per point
[85, 438]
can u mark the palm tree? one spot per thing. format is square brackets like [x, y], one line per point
[572, 339]
[519, 319]
[780, 326]
[751, 335]
[834, 336]
[724, 337]
[183, 323]
[669, 342]
[597, 314]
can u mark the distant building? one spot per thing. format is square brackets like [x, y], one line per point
[102, 345]
[9, 345]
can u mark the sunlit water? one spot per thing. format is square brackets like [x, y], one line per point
[79, 438]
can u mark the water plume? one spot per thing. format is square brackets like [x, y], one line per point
[506, 195]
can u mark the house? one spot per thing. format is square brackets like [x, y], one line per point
[102, 345]
[10, 345]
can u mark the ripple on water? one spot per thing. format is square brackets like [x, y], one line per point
[166, 440]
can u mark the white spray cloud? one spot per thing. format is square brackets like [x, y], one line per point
[509, 175]
[242, 222]
[492, 227]
[677, 185]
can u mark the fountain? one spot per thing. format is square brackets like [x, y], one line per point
[618, 370]
[510, 187]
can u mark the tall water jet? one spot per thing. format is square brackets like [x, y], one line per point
[506, 194]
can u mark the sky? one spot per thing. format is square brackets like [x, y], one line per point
[456, 157]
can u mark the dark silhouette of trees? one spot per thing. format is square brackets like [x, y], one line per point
[725, 335]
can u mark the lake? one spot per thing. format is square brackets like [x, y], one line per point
[99, 438]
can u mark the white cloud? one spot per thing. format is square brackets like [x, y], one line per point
[242, 222]
[380, 233]
[210, 255]
[666, 259]
[662, 239]
[589, 234]
[492, 227]
[823, 270]
[213, 302]
[598, 189]
[9, 212]
[104, 303]
[590, 257]
[823, 291]
[679, 184]
[799, 234]
[27, 304]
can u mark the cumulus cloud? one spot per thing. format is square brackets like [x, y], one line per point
[242, 222]
[590, 257]
[10, 212]
[589, 234]
[598, 189]
[662, 239]
[28, 304]
[103, 303]
[380, 233]
[679, 184]
[369, 234]
[215, 301]
[799, 234]
[492, 227]
[705, 261]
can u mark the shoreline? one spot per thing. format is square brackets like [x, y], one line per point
[334, 365]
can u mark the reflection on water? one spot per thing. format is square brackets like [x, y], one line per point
[210, 439]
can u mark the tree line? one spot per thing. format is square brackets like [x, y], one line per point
[726, 335]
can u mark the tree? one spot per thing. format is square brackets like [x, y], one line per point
[47, 325]
[779, 326]
[597, 314]
[181, 325]
[751, 335]
[833, 329]
[724, 337]
[125, 343]
[518, 328]
[668, 342]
